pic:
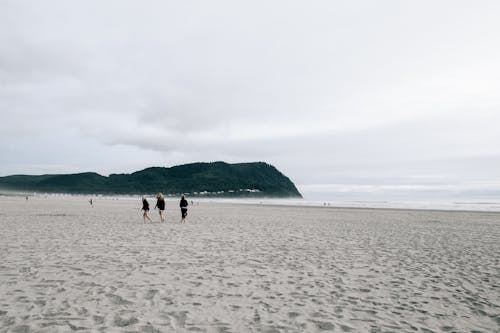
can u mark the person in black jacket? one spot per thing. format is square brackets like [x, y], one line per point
[145, 208]
[160, 203]
[184, 208]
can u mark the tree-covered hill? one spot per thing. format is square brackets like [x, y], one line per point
[198, 179]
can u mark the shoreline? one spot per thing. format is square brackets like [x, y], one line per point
[446, 206]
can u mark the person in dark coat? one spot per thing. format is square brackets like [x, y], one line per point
[184, 208]
[160, 204]
[145, 208]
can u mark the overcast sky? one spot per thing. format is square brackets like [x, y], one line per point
[352, 97]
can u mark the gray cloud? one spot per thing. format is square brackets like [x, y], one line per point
[355, 93]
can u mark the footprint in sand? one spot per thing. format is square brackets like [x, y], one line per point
[149, 329]
[76, 328]
[98, 320]
[167, 300]
[150, 294]
[123, 322]
[118, 300]
[21, 329]
[178, 319]
[40, 302]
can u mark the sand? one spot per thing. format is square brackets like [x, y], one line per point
[66, 266]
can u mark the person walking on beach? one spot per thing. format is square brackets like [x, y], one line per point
[184, 208]
[160, 203]
[145, 208]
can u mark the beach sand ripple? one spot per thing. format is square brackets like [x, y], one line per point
[69, 267]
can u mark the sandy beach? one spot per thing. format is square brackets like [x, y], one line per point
[66, 266]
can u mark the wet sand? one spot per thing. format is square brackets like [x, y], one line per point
[66, 266]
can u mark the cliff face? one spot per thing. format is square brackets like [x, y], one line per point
[198, 179]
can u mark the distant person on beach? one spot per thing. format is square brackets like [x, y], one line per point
[160, 203]
[91, 202]
[184, 208]
[145, 208]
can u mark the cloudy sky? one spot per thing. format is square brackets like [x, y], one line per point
[359, 98]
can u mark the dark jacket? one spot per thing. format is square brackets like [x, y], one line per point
[160, 203]
[145, 204]
[183, 203]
